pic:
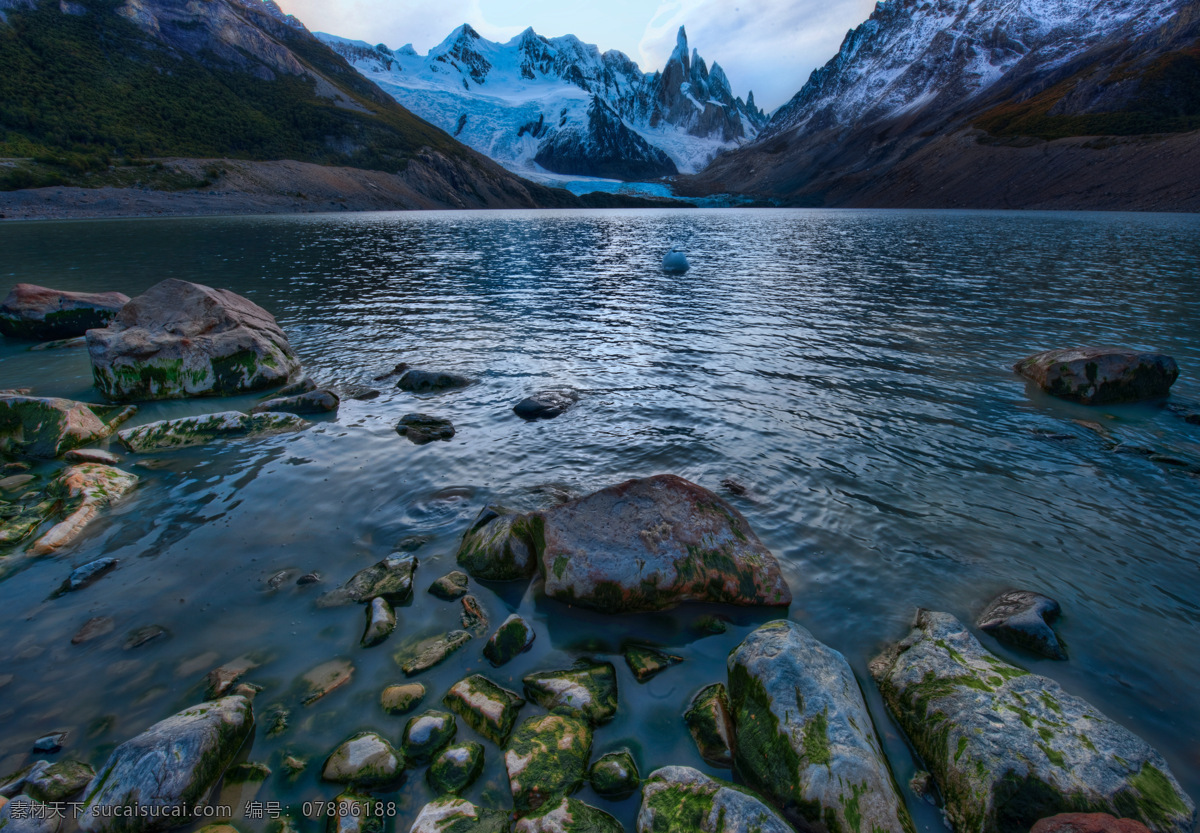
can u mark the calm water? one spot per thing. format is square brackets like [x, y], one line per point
[850, 368]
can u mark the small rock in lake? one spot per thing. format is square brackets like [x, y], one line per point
[430, 652]
[312, 402]
[431, 381]
[513, 637]
[354, 813]
[427, 734]
[381, 621]
[1023, 618]
[390, 579]
[709, 720]
[456, 768]
[247, 690]
[60, 344]
[326, 677]
[1087, 823]
[57, 782]
[546, 758]
[615, 775]
[293, 766]
[81, 577]
[279, 579]
[647, 662]
[498, 546]
[141, 636]
[711, 625]
[450, 813]
[545, 404]
[92, 455]
[733, 487]
[1099, 376]
[221, 679]
[486, 707]
[50, 743]
[400, 699]
[568, 815]
[42, 314]
[588, 689]
[309, 578]
[423, 428]
[708, 804]
[450, 586]
[399, 368]
[923, 786]
[277, 717]
[300, 386]
[366, 395]
[95, 627]
[365, 760]
[474, 618]
[248, 773]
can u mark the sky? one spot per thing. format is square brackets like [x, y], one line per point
[768, 46]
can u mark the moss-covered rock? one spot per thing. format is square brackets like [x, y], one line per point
[427, 734]
[486, 707]
[587, 689]
[513, 637]
[1100, 375]
[25, 815]
[709, 720]
[81, 492]
[171, 767]
[200, 430]
[1088, 823]
[366, 760]
[424, 428]
[455, 768]
[309, 402]
[49, 427]
[248, 772]
[58, 781]
[498, 546]
[356, 813]
[547, 758]
[390, 579]
[650, 544]
[646, 662]
[457, 815]
[401, 699]
[1023, 618]
[474, 618]
[325, 678]
[381, 621]
[451, 586]
[569, 815]
[679, 799]
[615, 775]
[1008, 748]
[41, 314]
[805, 738]
[427, 653]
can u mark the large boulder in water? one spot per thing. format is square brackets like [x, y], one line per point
[650, 544]
[1100, 375]
[680, 799]
[168, 770]
[181, 339]
[804, 736]
[48, 427]
[35, 312]
[1008, 748]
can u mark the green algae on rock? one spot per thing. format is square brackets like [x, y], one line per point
[42, 314]
[451, 586]
[805, 738]
[498, 546]
[650, 544]
[427, 734]
[615, 775]
[570, 815]
[427, 653]
[49, 427]
[587, 689]
[647, 662]
[709, 720]
[1008, 748]
[389, 579]
[489, 709]
[200, 430]
[547, 758]
[513, 637]
[355, 813]
[401, 699]
[455, 768]
[457, 815]
[679, 799]
[55, 782]
[80, 492]
[381, 621]
[366, 761]
[473, 618]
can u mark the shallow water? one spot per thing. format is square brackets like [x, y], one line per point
[850, 368]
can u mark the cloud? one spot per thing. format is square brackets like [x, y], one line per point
[769, 46]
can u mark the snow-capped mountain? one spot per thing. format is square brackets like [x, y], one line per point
[562, 106]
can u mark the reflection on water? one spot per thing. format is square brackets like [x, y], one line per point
[851, 369]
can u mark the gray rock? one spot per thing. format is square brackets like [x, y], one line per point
[457, 815]
[450, 586]
[804, 735]
[710, 721]
[615, 775]
[547, 758]
[1100, 375]
[48, 427]
[587, 689]
[35, 312]
[650, 544]
[423, 428]
[24, 815]
[389, 579]
[92, 455]
[181, 339]
[354, 813]
[569, 815]
[430, 652]
[473, 618]
[1023, 618]
[365, 760]
[312, 402]
[200, 430]
[513, 637]
[455, 768]
[427, 734]
[172, 765]
[13, 784]
[82, 576]
[1008, 748]
[486, 707]
[684, 800]
[401, 699]
[381, 621]
[498, 546]
[52, 742]
[431, 381]
[647, 662]
[545, 404]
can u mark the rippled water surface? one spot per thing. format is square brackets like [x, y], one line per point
[851, 369]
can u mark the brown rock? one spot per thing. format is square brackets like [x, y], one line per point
[35, 312]
[1088, 823]
[1100, 375]
[48, 426]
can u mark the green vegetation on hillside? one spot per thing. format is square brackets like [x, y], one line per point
[79, 91]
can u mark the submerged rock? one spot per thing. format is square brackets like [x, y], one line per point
[486, 707]
[545, 404]
[57, 782]
[381, 621]
[430, 652]
[93, 628]
[431, 381]
[38, 313]
[1008, 747]
[474, 618]
[1023, 618]
[456, 768]
[710, 721]
[312, 402]
[182, 339]
[221, 679]
[141, 636]
[546, 759]
[513, 637]
[615, 775]
[1100, 375]
[365, 760]
[427, 734]
[423, 428]
[173, 765]
[804, 735]
[389, 579]
[199, 430]
[498, 546]
[647, 662]
[400, 699]
[679, 798]
[457, 815]
[650, 544]
[48, 427]
[25, 815]
[84, 575]
[1087, 823]
[50, 743]
[300, 386]
[92, 455]
[354, 813]
[587, 689]
[83, 491]
[450, 586]
[570, 815]
[326, 677]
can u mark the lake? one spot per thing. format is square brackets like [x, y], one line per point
[852, 369]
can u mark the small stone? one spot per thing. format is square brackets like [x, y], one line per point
[293, 766]
[1023, 618]
[1087, 823]
[16, 481]
[50, 743]
[922, 786]
[365, 760]
[486, 707]
[679, 798]
[141, 636]
[199, 430]
[247, 690]
[456, 815]
[545, 404]
[399, 368]
[296, 388]
[615, 775]
[711, 625]
[423, 428]
[546, 758]
[248, 773]
[733, 487]
[587, 689]
[513, 637]
[431, 381]
[221, 679]
[311, 402]
[400, 699]
[709, 720]
[354, 813]
[309, 578]
[450, 586]
[93, 628]
[279, 579]
[474, 618]
[276, 719]
[412, 543]
[381, 621]
[92, 455]
[1100, 375]
[390, 578]
[366, 395]
[647, 662]
[58, 782]
[81, 577]
[456, 768]
[430, 652]
[326, 677]
[427, 734]
[569, 815]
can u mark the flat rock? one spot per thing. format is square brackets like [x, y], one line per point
[181, 339]
[498, 546]
[1008, 748]
[486, 707]
[141, 636]
[325, 678]
[381, 621]
[647, 662]
[1023, 618]
[455, 768]
[547, 758]
[83, 490]
[545, 404]
[365, 760]
[400, 699]
[513, 637]
[84, 575]
[451, 586]
[389, 579]
[457, 815]
[569, 815]
[1088, 823]
[587, 689]
[650, 544]
[428, 733]
[684, 800]
[311, 402]
[92, 455]
[1100, 375]
[171, 766]
[805, 739]
[222, 678]
[25, 815]
[93, 628]
[423, 428]
[201, 430]
[710, 721]
[48, 427]
[431, 381]
[430, 652]
[615, 775]
[42, 314]
[58, 781]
